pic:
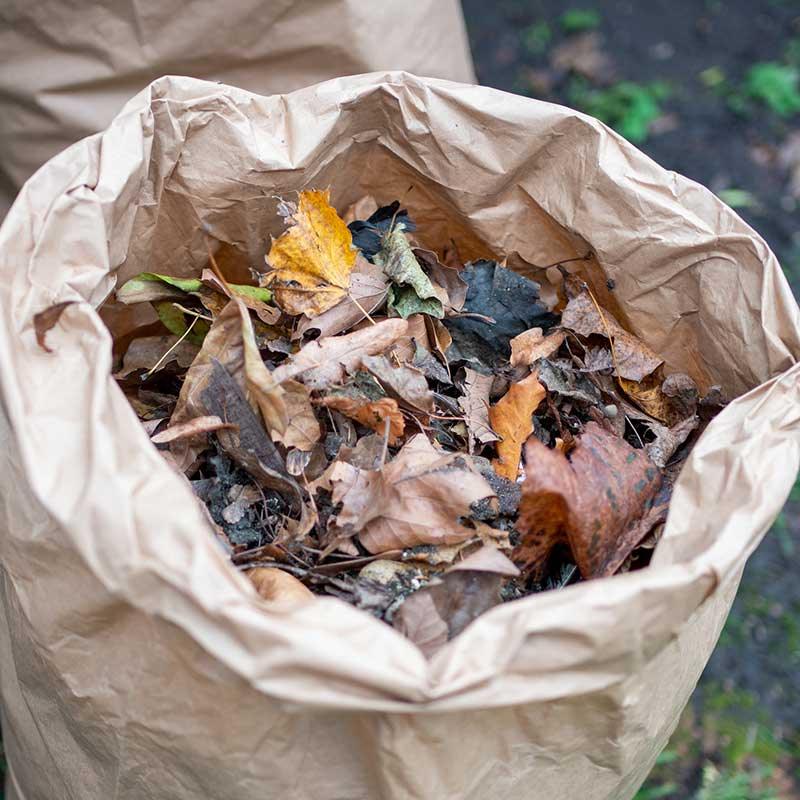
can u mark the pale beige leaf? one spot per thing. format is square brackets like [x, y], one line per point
[532, 345]
[633, 359]
[407, 385]
[194, 427]
[475, 405]
[302, 428]
[367, 293]
[324, 362]
[417, 498]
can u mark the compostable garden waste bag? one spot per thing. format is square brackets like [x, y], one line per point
[66, 67]
[136, 663]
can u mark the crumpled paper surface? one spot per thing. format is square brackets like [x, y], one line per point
[66, 68]
[136, 663]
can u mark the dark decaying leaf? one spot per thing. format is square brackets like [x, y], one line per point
[511, 300]
[368, 234]
[45, 320]
[567, 381]
[594, 502]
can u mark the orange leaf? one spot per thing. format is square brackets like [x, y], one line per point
[370, 413]
[510, 418]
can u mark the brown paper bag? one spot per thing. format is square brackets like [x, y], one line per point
[137, 663]
[68, 68]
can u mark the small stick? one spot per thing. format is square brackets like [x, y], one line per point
[192, 313]
[161, 360]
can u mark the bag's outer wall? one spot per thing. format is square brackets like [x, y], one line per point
[136, 664]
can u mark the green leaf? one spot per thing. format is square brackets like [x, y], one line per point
[174, 321]
[630, 108]
[398, 262]
[405, 301]
[149, 287]
[255, 292]
[576, 20]
[776, 86]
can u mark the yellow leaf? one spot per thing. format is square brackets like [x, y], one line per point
[510, 418]
[312, 260]
[648, 396]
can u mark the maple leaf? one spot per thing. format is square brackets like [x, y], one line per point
[597, 502]
[418, 498]
[312, 260]
[510, 418]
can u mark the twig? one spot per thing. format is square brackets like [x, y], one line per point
[362, 309]
[213, 261]
[586, 257]
[385, 448]
[161, 360]
[192, 313]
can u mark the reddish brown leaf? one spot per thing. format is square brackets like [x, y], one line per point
[370, 413]
[594, 502]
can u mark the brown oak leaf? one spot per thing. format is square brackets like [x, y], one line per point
[634, 360]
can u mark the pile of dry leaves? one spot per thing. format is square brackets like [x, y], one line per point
[422, 438]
